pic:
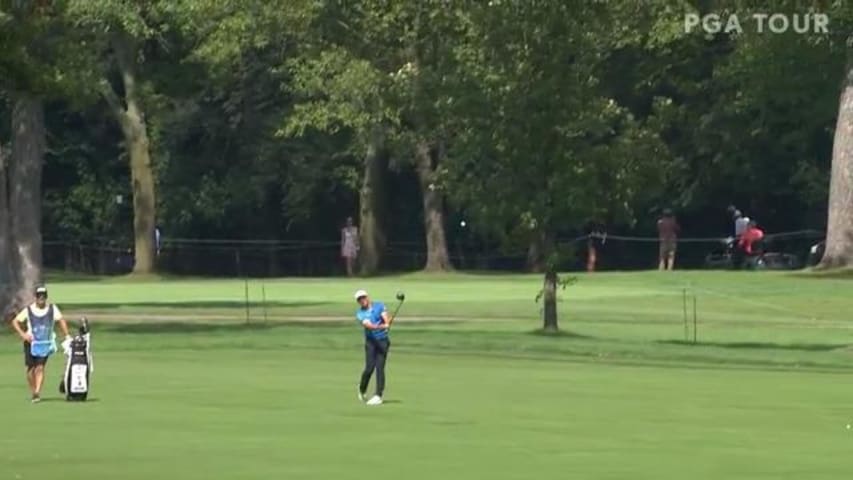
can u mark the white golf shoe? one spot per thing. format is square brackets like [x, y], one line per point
[375, 400]
[360, 395]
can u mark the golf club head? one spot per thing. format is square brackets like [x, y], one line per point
[84, 326]
[401, 296]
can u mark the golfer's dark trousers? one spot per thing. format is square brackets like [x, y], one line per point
[375, 354]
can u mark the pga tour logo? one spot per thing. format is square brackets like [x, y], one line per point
[762, 22]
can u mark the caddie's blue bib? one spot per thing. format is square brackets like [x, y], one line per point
[41, 327]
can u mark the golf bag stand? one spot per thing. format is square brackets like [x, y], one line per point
[78, 366]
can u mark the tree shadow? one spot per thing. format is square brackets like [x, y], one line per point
[559, 334]
[52, 276]
[825, 274]
[167, 327]
[196, 304]
[157, 328]
[804, 347]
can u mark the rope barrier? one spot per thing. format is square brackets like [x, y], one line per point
[180, 241]
[768, 237]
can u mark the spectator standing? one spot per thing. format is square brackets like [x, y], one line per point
[668, 230]
[349, 245]
[597, 237]
[750, 243]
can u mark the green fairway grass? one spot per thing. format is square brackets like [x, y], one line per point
[186, 387]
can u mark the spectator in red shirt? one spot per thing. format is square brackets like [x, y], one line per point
[668, 235]
[750, 240]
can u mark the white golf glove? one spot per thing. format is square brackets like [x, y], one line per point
[66, 346]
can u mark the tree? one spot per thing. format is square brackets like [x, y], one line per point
[389, 64]
[776, 112]
[117, 31]
[28, 147]
[223, 84]
[30, 42]
[129, 115]
[342, 92]
[424, 87]
[752, 112]
[540, 148]
[7, 280]
[839, 235]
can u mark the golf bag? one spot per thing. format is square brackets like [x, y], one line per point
[79, 365]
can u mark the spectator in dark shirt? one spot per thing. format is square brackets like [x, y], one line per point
[668, 235]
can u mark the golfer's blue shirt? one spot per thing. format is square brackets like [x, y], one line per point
[374, 315]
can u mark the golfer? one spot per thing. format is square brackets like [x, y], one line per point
[39, 338]
[375, 320]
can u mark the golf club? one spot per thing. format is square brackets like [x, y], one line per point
[401, 297]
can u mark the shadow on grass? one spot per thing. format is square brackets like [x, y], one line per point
[69, 277]
[830, 274]
[63, 400]
[156, 328]
[804, 347]
[202, 304]
[559, 334]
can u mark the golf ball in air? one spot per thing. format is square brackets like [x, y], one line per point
[463, 223]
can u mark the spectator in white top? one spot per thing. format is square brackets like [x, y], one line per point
[349, 245]
[157, 237]
[741, 221]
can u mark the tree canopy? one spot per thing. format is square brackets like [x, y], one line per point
[277, 120]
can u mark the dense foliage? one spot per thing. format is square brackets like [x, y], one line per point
[279, 119]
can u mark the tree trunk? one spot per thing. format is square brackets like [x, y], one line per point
[371, 196]
[839, 234]
[28, 147]
[438, 259]
[7, 281]
[135, 132]
[549, 297]
[536, 252]
[144, 201]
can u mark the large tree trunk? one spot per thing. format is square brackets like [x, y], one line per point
[144, 202]
[7, 281]
[436, 240]
[28, 147]
[371, 196]
[135, 132]
[839, 234]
